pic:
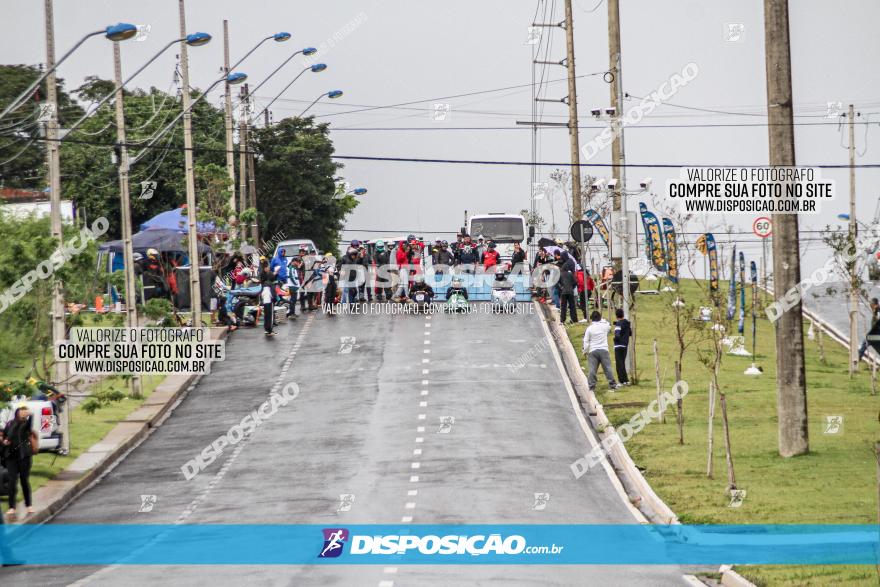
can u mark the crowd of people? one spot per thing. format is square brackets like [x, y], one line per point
[392, 271]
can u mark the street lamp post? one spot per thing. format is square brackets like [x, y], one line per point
[131, 318]
[227, 98]
[332, 94]
[53, 161]
[316, 68]
[193, 40]
[116, 32]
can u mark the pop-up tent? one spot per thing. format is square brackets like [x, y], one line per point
[177, 220]
[163, 240]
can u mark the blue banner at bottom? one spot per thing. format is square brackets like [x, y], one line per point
[255, 544]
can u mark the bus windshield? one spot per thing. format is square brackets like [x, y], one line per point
[498, 229]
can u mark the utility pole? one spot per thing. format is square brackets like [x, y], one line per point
[576, 209]
[618, 161]
[252, 180]
[266, 117]
[242, 157]
[853, 235]
[791, 385]
[617, 154]
[230, 155]
[53, 161]
[131, 318]
[195, 292]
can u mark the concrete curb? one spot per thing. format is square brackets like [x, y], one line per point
[94, 463]
[638, 490]
[731, 578]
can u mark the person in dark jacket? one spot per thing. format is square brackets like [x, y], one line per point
[348, 274]
[519, 255]
[19, 440]
[622, 333]
[382, 258]
[567, 286]
[443, 259]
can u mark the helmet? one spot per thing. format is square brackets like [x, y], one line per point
[246, 272]
[152, 253]
[491, 245]
[355, 243]
[263, 258]
[419, 278]
[444, 243]
[410, 237]
[380, 245]
[456, 282]
[137, 257]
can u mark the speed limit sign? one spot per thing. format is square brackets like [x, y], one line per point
[763, 227]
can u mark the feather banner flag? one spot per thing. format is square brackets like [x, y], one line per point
[706, 245]
[671, 250]
[654, 238]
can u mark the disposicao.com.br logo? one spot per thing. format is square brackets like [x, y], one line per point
[431, 544]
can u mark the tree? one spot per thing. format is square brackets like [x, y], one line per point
[296, 182]
[89, 175]
[22, 154]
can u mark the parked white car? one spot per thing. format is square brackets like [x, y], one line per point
[44, 421]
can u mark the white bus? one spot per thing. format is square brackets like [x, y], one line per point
[502, 228]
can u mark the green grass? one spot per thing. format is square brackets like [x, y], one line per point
[835, 483]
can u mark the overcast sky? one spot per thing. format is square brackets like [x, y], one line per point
[407, 50]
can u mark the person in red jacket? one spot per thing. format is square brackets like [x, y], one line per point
[491, 256]
[401, 257]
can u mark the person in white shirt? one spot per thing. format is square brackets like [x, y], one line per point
[596, 350]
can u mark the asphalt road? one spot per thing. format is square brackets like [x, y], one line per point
[369, 423]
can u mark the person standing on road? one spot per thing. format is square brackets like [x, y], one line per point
[267, 295]
[383, 259]
[349, 274]
[293, 284]
[20, 443]
[518, 257]
[567, 285]
[622, 332]
[596, 350]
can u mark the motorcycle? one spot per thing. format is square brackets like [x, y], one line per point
[503, 294]
[457, 303]
[421, 300]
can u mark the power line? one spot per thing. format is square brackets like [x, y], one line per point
[482, 161]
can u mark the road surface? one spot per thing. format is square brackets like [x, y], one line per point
[367, 423]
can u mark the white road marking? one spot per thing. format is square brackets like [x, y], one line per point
[420, 439]
[410, 505]
[412, 492]
[420, 429]
[417, 452]
[390, 570]
[422, 416]
[423, 404]
[414, 479]
[406, 519]
[429, 342]
[424, 382]
[426, 361]
[427, 351]
[424, 392]
[386, 583]
[415, 465]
